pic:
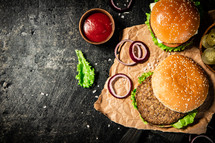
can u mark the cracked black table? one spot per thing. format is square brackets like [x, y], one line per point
[40, 99]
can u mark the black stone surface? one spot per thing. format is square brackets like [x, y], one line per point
[40, 100]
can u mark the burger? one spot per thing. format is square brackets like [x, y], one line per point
[173, 23]
[172, 94]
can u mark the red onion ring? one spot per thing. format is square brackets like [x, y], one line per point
[190, 138]
[120, 9]
[116, 50]
[110, 85]
[134, 57]
[202, 136]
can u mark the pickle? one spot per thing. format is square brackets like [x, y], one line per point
[210, 39]
[204, 42]
[208, 56]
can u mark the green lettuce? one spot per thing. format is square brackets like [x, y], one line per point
[162, 46]
[145, 122]
[133, 99]
[134, 103]
[197, 3]
[133, 93]
[144, 76]
[86, 74]
[188, 119]
[199, 6]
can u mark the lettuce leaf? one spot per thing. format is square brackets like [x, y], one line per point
[133, 93]
[144, 76]
[86, 74]
[145, 122]
[196, 2]
[162, 46]
[134, 103]
[199, 6]
[188, 119]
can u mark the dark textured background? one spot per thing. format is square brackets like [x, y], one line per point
[40, 100]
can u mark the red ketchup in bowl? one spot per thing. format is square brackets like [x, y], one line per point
[97, 27]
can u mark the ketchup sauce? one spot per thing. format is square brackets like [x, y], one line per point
[97, 27]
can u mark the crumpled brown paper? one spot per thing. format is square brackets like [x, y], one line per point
[122, 111]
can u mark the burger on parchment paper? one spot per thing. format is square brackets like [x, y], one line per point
[173, 23]
[171, 95]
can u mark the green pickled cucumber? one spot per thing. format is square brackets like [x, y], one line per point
[211, 38]
[204, 42]
[208, 56]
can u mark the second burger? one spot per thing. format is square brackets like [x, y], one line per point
[171, 95]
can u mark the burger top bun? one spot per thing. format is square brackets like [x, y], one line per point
[180, 84]
[174, 21]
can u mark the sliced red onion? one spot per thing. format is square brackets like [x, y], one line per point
[132, 53]
[120, 9]
[202, 136]
[190, 138]
[110, 85]
[116, 52]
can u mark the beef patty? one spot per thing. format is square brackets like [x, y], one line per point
[151, 109]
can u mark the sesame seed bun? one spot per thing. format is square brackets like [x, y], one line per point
[174, 21]
[180, 84]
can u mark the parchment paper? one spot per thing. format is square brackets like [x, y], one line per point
[121, 110]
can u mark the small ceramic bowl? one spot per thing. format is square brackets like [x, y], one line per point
[211, 67]
[88, 13]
